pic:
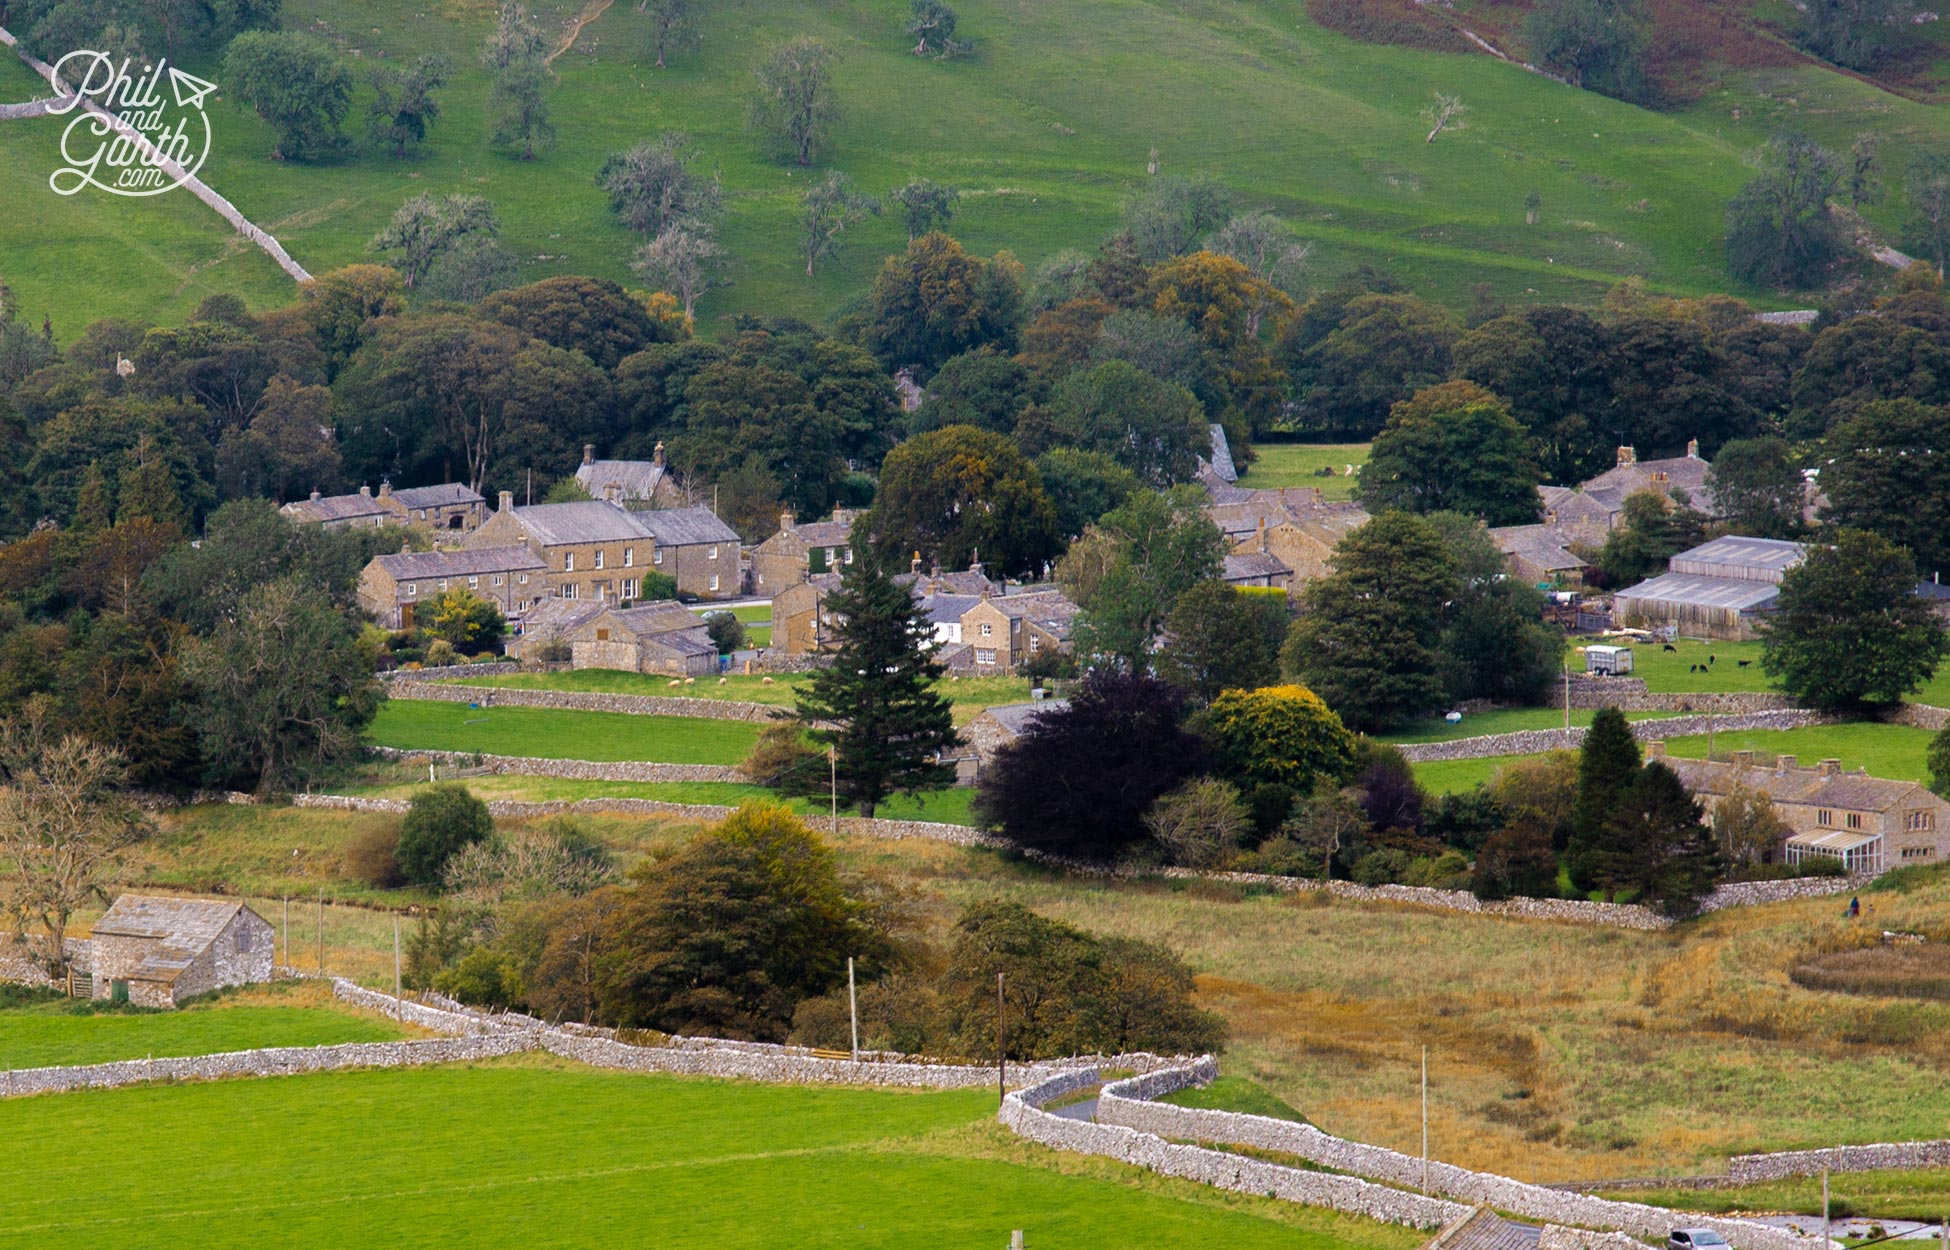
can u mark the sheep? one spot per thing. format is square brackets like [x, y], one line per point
[721, 681]
[674, 682]
[765, 681]
[690, 681]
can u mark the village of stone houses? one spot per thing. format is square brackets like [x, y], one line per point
[1092, 625]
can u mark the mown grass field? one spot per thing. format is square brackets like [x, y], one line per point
[1671, 672]
[968, 694]
[536, 1152]
[1299, 464]
[564, 735]
[1893, 751]
[1501, 721]
[49, 1034]
[1047, 130]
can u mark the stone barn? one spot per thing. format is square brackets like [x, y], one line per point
[158, 952]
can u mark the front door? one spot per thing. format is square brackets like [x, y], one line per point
[118, 991]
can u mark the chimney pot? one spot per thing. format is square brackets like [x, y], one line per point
[1785, 763]
[314, 494]
[657, 456]
[507, 500]
[785, 521]
[1656, 749]
[612, 492]
[385, 487]
[1830, 768]
[1692, 449]
[589, 453]
[1744, 758]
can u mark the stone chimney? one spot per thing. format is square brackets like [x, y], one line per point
[589, 453]
[914, 565]
[365, 492]
[1627, 456]
[1262, 534]
[1829, 768]
[1784, 764]
[1692, 449]
[975, 562]
[1655, 750]
[507, 500]
[1744, 758]
[385, 488]
[314, 494]
[613, 493]
[785, 521]
[657, 455]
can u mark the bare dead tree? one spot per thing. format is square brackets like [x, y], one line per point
[1447, 113]
[64, 826]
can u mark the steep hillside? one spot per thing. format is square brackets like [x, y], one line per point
[1047, 129]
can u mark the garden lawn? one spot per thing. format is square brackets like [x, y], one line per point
[536, 1152]
[54, 1034]
[562, 735]
[1895, 752]
[1299, 464]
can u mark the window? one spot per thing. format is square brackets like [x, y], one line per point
[849, 555]
[1919, 822]
[1035, 644]
[1824, 817]
[657, 556]
[714, 581]
[985, 657]
[1918, 852]
[568, 562]
[629, 557]
[713, 555]
[602, 635]
[628, 588]
[412, 588]
[987, 629]
[243, 940]
[500, 580]
[1855, 820]
[523, 579]
[599, 557]
[443, 583]
[569, 590]
[473, 583]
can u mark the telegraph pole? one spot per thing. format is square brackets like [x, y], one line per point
[833, 766]
[287, 931]
[321, 930]
[1425, 1119]
[398, 1010]
[853, 1008]
[1001, 1060]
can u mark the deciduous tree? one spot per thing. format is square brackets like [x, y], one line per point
[673, 25]
[793, 107]
[1213, 642]
[830, 206]
[427, 227]
[659, 183]
[1757, 489]
[1278, 735]
[925, 206]
[1848, 631]
[442, 820]
[1779, 232]
[958, 491]
[296, 85]
[935, 301]
[1453, 448]
[1597, 44]
[403, 106]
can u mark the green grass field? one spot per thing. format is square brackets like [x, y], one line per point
[949, 807]
[1670, 672]
[1500, 721]
[1234, 1093]
[1896, 752]
[550, 734]
[539, 1153]
[968, 694]
[49, 1034]
[757, 618]
[1299, 464]
[1046, 130]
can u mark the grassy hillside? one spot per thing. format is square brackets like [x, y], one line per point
[1047, 129]
[536, 1152]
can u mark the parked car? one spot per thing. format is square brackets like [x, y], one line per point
[1693, 1238]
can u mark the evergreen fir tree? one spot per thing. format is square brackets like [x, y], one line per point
[1656, 844]
[92, 512]
[1608, 764]
[876, 705]
[149, 489]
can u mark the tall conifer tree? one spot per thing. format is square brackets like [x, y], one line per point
[1608, 764]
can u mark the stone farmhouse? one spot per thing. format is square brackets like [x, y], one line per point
[1719, 589]
[600, 550]
[798, 552]
[993, 630]
[1257, 568]
[392, 587]
[1295, 526]
[1867, 823]
[635, 483]
[989, 731]
[1004, 631]
[159, 952]
[446, 507]
[663, 638]
[801, 623]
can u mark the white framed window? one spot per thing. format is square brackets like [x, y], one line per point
[627, 587]
[600, 553]
[473, 583]
[412, 588]
[657, 556]
[987, 629]
[849, 555]
[443, 583]
[500, 580]
[569, 591]
[984, 657]
[714, 553]
[714, 581]
[568, 562]
[629, 557]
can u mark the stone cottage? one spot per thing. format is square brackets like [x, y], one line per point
[798, 552]
[160, 952]
[992, 729]
[664, 638]
[391, 588]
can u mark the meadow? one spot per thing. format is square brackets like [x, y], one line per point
[969, 695]
[1299, 464]
[534, 1151]
[1557, 1052]
[950, 806]
[564, 735]
[64, 1032]
[1037, 129]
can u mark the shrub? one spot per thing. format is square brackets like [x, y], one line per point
[483, 977]
[373, 857]
[1284, 856]
[1199, 824]
[1516, 862]
[441, 653]
[1269, 804]
[1383, 867]
[441, 820]
[1447, 871]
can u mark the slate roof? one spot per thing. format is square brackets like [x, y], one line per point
[445, 495]
[1807, 787]
[183, 927]
[663, 617]
[559, 524]
[686, 527]
[639, 479]
[1254, 564]
[354, 507]
[559, 615]
[1544, 546]
[1221, 458]
[1050, 609]
[967, 582]
[819, 534]
[408, 566]
[947, 609]
[1684, 473]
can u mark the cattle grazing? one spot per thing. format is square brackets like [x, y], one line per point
[1668, 647]
[1745, 663]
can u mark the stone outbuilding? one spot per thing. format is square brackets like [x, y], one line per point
[992, 729]
[663, 638]
[160, 952]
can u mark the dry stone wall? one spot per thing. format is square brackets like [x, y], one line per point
[1558, 1237]
[1628, 694]
[575, 770]
[1921, 716]
[274, 1061]
[1576, 911]
[585, 701]
[1022, 1113]
[1129, 1103]
[1533, 741]
[404, 676]
[1904, 1156]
